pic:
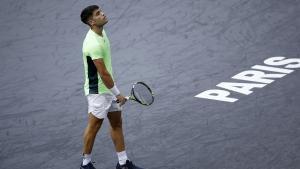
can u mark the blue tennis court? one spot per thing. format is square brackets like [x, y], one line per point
[179, 48]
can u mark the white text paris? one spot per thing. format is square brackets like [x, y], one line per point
[257, 77]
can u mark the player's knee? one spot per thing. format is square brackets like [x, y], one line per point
[93, 128]
[116, 125]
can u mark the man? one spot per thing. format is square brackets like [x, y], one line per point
[103, 96]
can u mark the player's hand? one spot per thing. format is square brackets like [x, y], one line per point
[121, 99]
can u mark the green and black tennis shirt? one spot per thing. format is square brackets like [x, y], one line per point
[95, 47]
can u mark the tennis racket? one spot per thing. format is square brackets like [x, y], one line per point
[141, 93]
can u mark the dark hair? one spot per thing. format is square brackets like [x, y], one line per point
[87, 12]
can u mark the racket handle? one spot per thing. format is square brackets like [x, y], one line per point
[127, 97]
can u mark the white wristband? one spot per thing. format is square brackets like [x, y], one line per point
[115, 90]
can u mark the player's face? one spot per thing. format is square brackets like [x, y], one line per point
[98, 19]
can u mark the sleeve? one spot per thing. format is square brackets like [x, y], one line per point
[95, 52]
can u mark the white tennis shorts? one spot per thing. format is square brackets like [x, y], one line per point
[100, 104]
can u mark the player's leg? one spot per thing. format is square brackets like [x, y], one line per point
[89, 136]
[98, 105]
[116, 131]
[90, 133]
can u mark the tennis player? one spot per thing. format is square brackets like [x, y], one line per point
[103, 97]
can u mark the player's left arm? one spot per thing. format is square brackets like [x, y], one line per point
[97, 57]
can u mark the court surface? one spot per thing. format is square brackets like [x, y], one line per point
[180, 48]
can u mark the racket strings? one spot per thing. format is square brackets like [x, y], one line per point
[143, 94]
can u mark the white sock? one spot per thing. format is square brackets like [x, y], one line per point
[86, 159]
[122, 156]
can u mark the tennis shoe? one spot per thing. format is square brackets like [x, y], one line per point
[128, 165]
[88, 166]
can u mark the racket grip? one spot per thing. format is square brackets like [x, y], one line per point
[127, 97]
